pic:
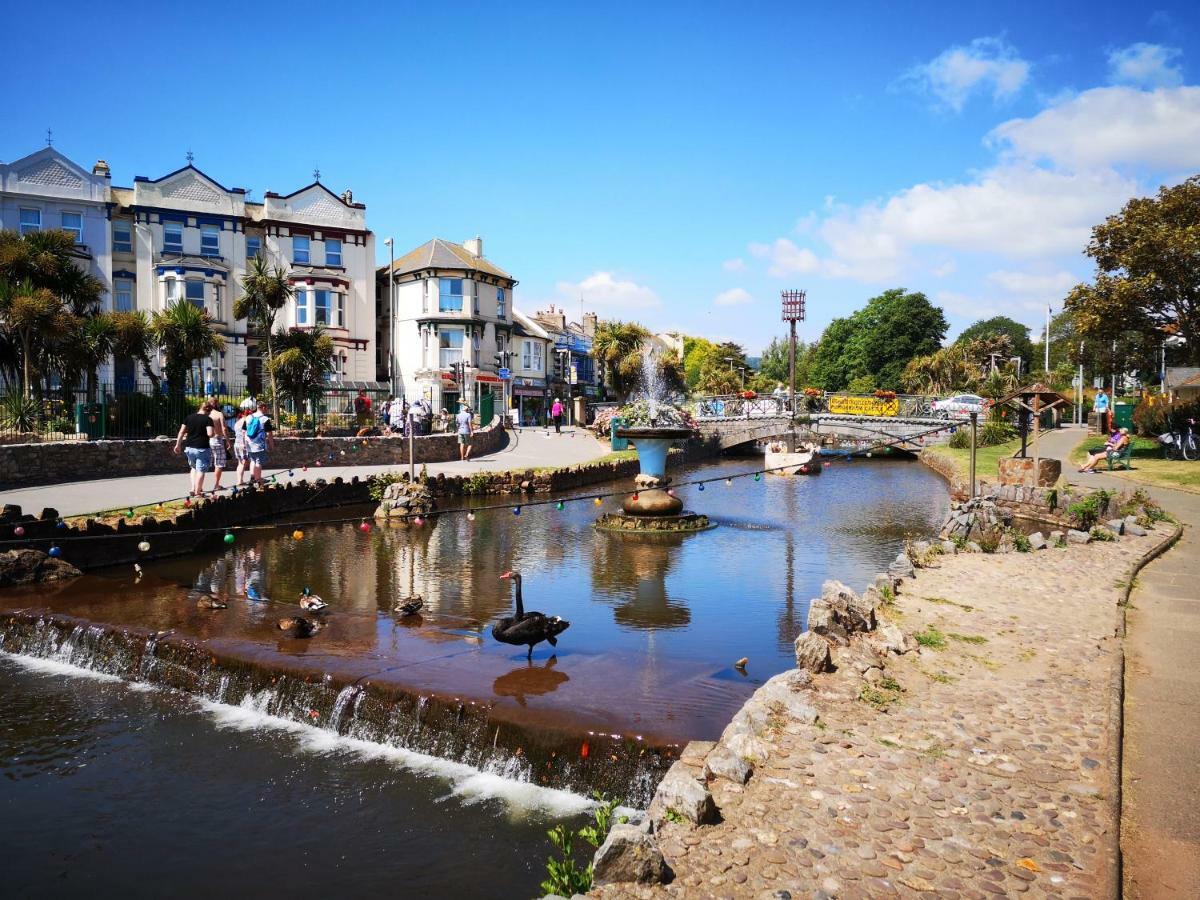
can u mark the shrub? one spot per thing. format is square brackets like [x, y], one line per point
[1020, 542]
[379, 483]
[1102, 534]
[1156, 419]
[477, 483]
[18, 412]
[990, 542]
[993, 433]
[960, 440]
[1086, 513]
[565, 877]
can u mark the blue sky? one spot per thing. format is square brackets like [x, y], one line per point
[678, 165]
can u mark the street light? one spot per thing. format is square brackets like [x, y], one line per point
[391, 313]
[742, 369]
[730, 359]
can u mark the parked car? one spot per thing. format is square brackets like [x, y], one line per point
[960, 406]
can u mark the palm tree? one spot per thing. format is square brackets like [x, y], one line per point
[49, 259]
[185, 334]
[134, 339]
[302, 363]
[32, 316]
[265, 292]
[617, 346]
[85, 347]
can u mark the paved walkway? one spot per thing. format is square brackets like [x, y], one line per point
[526, 449]
[1160, 834]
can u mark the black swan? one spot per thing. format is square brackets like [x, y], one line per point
[299, 626]
[409, 606]
[311, 602]
[527, 627]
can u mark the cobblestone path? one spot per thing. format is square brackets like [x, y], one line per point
[985, 765]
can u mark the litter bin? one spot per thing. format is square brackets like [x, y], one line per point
[1123, 415]
[617, 443]
[91, 419]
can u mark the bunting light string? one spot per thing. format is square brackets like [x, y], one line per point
[417, 519]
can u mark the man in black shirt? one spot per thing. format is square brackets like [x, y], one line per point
[193, 438]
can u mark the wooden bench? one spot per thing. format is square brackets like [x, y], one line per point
[1122, 457]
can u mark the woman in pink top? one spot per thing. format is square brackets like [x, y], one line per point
[556, 413]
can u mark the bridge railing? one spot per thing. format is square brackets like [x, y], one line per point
[734, 406]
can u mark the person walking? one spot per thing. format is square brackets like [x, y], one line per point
[193, 441]
[1100, 405]
[241, 449]
[465, 428]
[362, 409]
[259, 440]
[396, 415]
[556, 413]
[218, 442]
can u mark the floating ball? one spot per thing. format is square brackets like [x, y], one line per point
[728, 482]
[470, 517]
[291, 474]
[144, 546]
[634, 498]
[516, 510]
[343, 453]
[19, 531]
[56, 551]
[129, 515]
[868, 454]
[297, 535]
[758, 476]
[701, 485]
[229, 538]
[559, 505]
[364, 527]
[596, 501]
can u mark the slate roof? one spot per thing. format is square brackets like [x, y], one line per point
[440, 254]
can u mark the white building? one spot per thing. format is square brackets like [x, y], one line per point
[186, 236]
[452, 306]
[531, 360]
[45, 191]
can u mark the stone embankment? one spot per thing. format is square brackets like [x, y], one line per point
[952, 732]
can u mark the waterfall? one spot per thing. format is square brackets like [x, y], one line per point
[387, 717]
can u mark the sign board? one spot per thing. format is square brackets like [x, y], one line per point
[504, 374]
[863, 406]
[574, 374]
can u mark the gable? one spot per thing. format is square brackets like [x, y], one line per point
[191, 187]
[51, 172]
[319, 205]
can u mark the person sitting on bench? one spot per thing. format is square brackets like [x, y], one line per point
[1117, 441]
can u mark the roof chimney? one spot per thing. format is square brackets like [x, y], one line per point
[474, 246]
[101, 169]
[589, 324]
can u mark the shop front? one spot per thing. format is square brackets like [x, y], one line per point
[529, 399]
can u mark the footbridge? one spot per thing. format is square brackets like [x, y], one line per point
[731, 421]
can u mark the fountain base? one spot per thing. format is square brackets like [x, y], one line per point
[683, 523]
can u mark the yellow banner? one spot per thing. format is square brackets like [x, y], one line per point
[864, 406]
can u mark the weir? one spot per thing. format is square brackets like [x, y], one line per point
[456, 729]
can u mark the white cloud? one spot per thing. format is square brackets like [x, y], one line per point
[987, 63]
[1145, 65]
[949, 267]
[603, 290]
[734, 265]
[1039, 285]
[733, 297]
[1111, 126]
[785, 257]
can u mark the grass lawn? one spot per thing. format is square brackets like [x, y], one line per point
[987, 459]
[1149, 466]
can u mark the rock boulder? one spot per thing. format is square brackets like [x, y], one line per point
[33, 567]
[629, 854]
[812, 653]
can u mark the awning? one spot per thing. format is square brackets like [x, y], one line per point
[491, 379]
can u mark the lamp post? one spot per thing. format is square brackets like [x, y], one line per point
[391, 245]
[730, 359]
[742, 369]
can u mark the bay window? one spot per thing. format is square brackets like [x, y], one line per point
[123, 295]
[194, 292]
[73, 222]
[322, 307]
[172, 290]
[450, 346]
[450, 298]
[341, 309]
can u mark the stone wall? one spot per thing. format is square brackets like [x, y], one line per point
[58, 462]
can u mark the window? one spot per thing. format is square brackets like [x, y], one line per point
[172, 290]
[194, 291]
[451, 296]
[299, 249]
[301, 297]
[341, 309]
[450, 346]
[253, 247]
[31, 220]
[527, 355]
[537, 355]
[122, 236]
[172, 237]
[218, 306]
[123, 296]
[499, 303]
[210, 240]
[333, 252]
[73, 222]
[322, 307]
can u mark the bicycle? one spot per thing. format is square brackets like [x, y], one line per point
[1180, 443]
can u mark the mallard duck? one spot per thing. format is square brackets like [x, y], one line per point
[410, 606]
[527, 627]
[311, 602]
[207, 600]
[299, 626]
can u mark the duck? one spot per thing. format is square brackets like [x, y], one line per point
[311, 602]
[527, 627]
[206, 599]
[410, 606]
[299, 626]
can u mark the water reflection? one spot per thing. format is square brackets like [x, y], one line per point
[530, 680]
[633, 570]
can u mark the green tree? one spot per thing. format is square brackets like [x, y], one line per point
[1147, 279]
[302, 363]
[265, 291]
[1017, 334]
[134, 338]
[185, 335]
[84, 348]
[773, 365]
[617, 346]
[32, 316]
